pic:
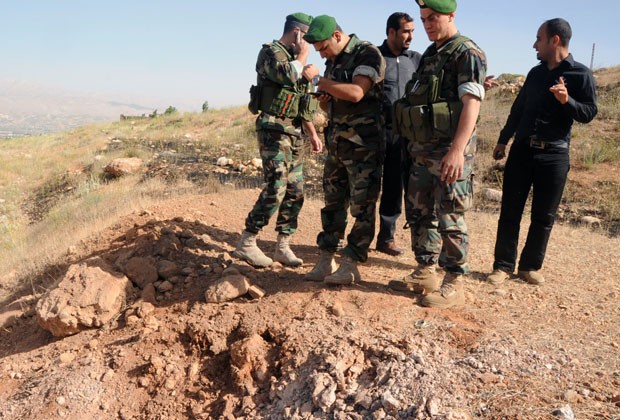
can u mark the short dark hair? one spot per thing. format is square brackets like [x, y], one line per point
[561, 28]
[290, 24]
[393, 21]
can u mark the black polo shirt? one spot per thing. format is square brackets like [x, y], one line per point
[537, 112]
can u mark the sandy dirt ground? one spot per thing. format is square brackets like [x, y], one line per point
[305, 350]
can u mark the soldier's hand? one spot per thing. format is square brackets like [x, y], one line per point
[317, 144]
[300, 45]
[310, 71]
[490, 83]
[559, 91]
[451, 166]
[499, 152]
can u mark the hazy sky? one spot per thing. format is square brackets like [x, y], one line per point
[192, 51]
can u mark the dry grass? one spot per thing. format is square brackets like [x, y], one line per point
[29, 249]
[53, 193]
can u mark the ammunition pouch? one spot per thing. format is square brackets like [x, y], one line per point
[421, 115]
[412, 122]
[255, 95]
[426, 124]
[275, 100]
[279, 101]
[422, 89]
[445, 118]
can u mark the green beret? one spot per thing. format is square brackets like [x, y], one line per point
[321, 28]
[440, 6]
[300, 17]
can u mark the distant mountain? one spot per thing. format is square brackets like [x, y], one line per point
[28, 108]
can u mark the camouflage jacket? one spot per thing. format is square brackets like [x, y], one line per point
[468, 64]
[273, 67]
[357, 122]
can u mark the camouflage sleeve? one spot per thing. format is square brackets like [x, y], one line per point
[275, 67]
[370, 63]
[472, 69]
[308, 105]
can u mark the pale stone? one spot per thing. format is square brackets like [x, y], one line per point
[141, 271]
[87, 297]
[227, 288]
[256, 292]
[590, 221]
[167, 269]
[123, 166]
[493, 194]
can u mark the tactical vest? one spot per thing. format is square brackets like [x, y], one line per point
[422, 115]
[344, 73]
[283, 101]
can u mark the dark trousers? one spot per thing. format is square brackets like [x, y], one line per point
[395, 178]
[545, 172]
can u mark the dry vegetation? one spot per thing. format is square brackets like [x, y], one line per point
[57, 207]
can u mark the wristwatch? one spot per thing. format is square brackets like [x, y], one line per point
[316, 79]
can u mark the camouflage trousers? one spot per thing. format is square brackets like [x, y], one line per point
[282, 156]
[351, 181]
[435, 214]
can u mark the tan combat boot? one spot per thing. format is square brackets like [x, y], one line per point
[347, 273]
[423, 279]
[532, 277]
[497, 277]
[248, 251]
[284, 254]
[450, 293]
[323, 268]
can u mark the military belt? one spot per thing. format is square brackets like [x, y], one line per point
[541, 144]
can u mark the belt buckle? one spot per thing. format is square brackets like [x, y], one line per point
[537, 144]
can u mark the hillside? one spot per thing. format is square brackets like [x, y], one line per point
[31, 109]
[302, 350]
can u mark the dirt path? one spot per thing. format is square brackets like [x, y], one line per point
[307, 351]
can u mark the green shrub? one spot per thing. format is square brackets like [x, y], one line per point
[170, 110]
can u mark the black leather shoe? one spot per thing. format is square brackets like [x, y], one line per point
[390, 248]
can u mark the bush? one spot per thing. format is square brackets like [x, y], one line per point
[170, 110]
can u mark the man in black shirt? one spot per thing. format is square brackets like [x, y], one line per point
[556, 92]
[401, 63]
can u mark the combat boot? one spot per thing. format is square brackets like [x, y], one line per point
[347, 273]
[532, 277]
[497, 277]
[450, 293]
[284, 254]
[423, 279]
[323, 268]
[248, 251]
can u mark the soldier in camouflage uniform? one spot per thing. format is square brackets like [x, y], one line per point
[285, 117]
[442, 150]
[352, 95]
